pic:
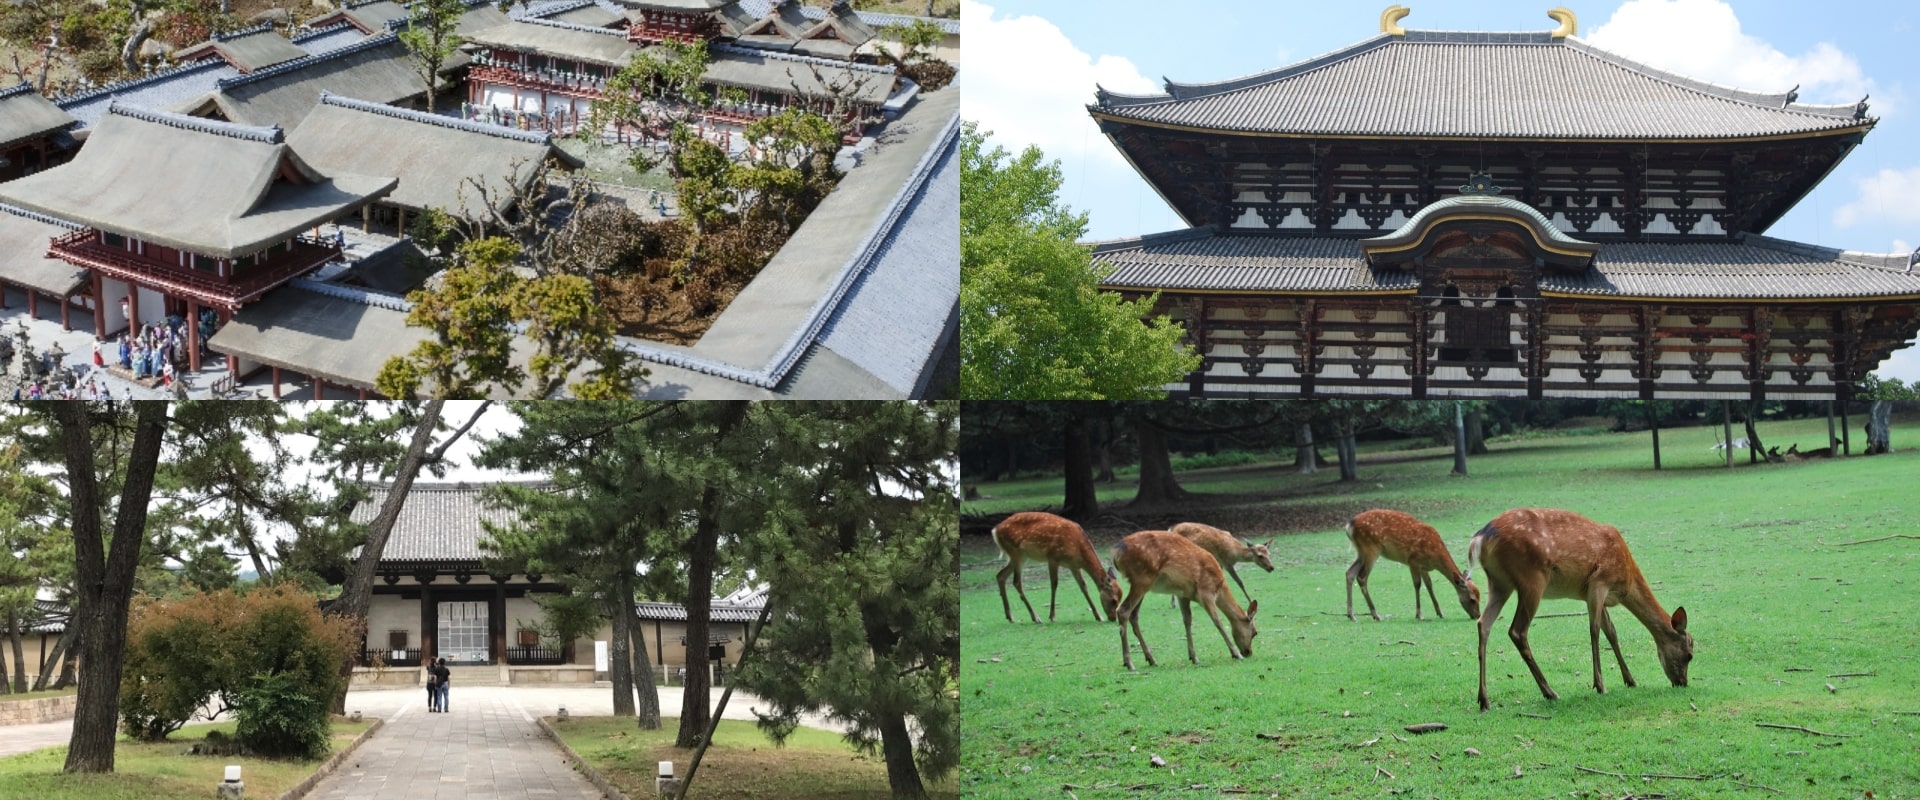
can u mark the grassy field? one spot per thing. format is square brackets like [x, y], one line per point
[741, 765]
[156, 771]
[8, 698]
[1778, 608]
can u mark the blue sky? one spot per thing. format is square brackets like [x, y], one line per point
[1032, 67]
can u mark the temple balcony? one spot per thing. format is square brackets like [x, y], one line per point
[572, 85]
[85, 248]
[659, 26]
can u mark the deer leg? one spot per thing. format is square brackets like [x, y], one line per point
[1416, 593]
[1606, 626]
[1522, 619]
[1075, 571]
[1012, 569]
[1020, 587]
[1053, 581]
[1353, 574]
[1496, 597]
[1214, 612]
[1237, 582]
[1366, 569]
[1427, 578]
[1186, 618]
[1142, 637]
[1596, 611]
[1129, 611]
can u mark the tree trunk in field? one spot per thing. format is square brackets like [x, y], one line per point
[896, 742]
[1081, 501]
[647, 713]
[6, 687]
[1104, 453]
[1306, 460]
[104, 577]
[1459, 440]
[19, 653]
[696, 707]
[1476, 434]
[1013, 457]
[1157, 484]
[622, 666]
[70, 662]
[54, 660]
[1755, 452]
[1349, 456]
[1879, 427]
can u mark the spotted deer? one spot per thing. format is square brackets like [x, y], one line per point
[1037, 534]
[1226, 548]
[1400, 537]
[1539, 552]
[1159, 561]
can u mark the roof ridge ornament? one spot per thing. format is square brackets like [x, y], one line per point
[1569, 24]
[1390, 20]
[1481, 184]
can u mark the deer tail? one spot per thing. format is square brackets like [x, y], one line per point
[1479, 540]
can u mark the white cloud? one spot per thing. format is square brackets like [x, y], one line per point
[1702, 39]
[1028, 84]
[1901, 246]
[1890, 194]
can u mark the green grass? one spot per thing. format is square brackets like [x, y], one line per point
[9, 698]
[741, 765]
[1774, 611]
[158, 771]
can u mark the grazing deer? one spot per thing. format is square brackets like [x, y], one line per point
[1226, 548]
[1159, 561]
[1058, 540]
[1538, 552]
[1400, 537]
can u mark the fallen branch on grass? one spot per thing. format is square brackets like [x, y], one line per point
[1426, 727]
[1569, 614]
[1807, 730]
[1876, 539]
[1535, 716]
[1645, 775]
[1853, 675]
[1798, 669]
[1758, 786]
[1377, 769]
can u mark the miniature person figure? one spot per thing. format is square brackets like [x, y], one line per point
[139, 360]
[166, 372]
[98, 361]
[126, 353]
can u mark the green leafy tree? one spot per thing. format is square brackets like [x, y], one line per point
[859, 552]
[1033, 321]
[483, 308]
[792, 167]
[431, 36]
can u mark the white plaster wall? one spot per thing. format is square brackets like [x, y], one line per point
[389, 612]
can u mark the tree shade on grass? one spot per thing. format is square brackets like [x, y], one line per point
[157, 771]
[741, 765]
[1780, 608]
[1033, 321]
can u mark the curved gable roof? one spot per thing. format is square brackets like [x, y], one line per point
[1480, 86]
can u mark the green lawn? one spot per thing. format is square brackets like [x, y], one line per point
[1776, 608]
[8, 698]
[741, 765]
[159, 771]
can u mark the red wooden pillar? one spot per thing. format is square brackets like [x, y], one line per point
[99, 308]
[363, 394]
[193, 334]
[33, 304]
[233, 361]
[319, 389]
[3, 294]
[133, 308]
[276, 383]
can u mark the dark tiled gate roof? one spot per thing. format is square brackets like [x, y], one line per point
[1479, 86]
[439, 522]
[1199, 259]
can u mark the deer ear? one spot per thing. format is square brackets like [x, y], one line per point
[1269, 542]
[1680, 620]
[1253, 608]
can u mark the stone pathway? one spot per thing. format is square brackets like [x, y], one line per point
[487, 748]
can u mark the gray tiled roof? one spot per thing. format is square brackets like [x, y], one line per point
[1477, 85]
[24, 236]
[49, 616]
[248, 49]
[169, 90]
[1199, 259]
[741, 606]
[24, 114]
[758, 8]
[328, 39]
[1754, 267]
[438, 522]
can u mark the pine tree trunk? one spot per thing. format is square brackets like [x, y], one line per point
[104, 578]
[1082, 502]
[896, 743]
[1103, 453]
[1459, 440]
[696, 707]
[6, 687]
[1476, 434]
[1306, 460]
[70, 661]
[622, 660]
[1157, 484]
[1755, 453]
[54, 660]
[647, 713]
[1349, 456]
[19, 654]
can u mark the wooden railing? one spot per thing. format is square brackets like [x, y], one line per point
[408, 658]
[84, 248]
[534, 655]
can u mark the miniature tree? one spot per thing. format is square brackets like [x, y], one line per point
[431, 39]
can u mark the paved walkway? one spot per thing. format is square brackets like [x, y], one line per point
[487, 748]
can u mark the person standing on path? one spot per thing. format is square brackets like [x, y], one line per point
[446, 677]
[433, 687]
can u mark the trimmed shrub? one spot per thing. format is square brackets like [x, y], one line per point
[281, 715]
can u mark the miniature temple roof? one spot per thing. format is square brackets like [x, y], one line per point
[481, 15]
[593, 45]
[375, 69]
[24, 114]
[783, 73]
[247, 49]
[1751, 268]
[582, 12]
[682, 6]
[23, 253]
[1478, 86]
[432, 155]
[370, 16]
[206, 187]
